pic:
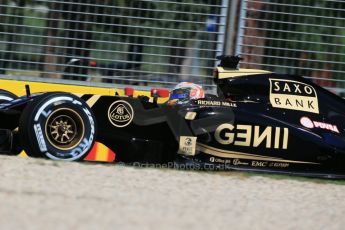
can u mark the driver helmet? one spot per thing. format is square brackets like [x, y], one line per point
[184, 92]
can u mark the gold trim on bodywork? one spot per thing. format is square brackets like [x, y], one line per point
[239, 155]
[230, 73]
[190, 116]
[93, 100]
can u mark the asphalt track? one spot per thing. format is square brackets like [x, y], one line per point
[42, 194]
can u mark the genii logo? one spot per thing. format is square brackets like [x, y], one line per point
[293, 95]
[120, 113]
[252, 136]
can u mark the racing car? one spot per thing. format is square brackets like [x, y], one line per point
[256, 121]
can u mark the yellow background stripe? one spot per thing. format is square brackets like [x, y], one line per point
[18, 87]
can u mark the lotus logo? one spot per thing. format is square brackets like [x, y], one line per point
[120, 110]
[120, 113]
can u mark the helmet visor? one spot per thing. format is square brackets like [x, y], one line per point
[181, 93]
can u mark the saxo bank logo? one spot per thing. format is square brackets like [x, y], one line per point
[293, 95]
[120, 113]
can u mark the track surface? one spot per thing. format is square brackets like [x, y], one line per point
[42, 194]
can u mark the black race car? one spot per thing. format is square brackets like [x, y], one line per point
[257, 121]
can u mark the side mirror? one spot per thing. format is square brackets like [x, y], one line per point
[129, 91]
[158, 92]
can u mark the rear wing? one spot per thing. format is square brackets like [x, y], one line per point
[222, 73]
[228, 68]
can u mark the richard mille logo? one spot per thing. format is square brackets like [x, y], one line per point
[120, 113]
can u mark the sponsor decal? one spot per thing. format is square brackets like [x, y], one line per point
[259, 163]
[293, 95]
[252, 136]
[220, 160]
[222, 156]
[279, 164]
[40, 138]
[120, 113]
[216, 103]
[308, 123]
[187, 145]
[263, 164]
[251, 163]
[239, 162]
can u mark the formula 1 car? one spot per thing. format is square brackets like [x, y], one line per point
[257, 121]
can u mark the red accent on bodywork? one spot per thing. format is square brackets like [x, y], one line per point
[100, 152]
[156, 92]
[92, 154]
[111, 156]
[129, 91]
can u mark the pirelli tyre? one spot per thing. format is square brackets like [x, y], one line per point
[6, 96]
[57, 126]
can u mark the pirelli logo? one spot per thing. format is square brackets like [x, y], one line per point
[293, 95]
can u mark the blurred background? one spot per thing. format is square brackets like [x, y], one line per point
[162, 42]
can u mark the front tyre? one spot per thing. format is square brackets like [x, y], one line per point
[58, 126]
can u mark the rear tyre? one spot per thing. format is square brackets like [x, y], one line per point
[6, 96]
[57, 126]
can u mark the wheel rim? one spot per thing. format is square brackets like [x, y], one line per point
[64, 129]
